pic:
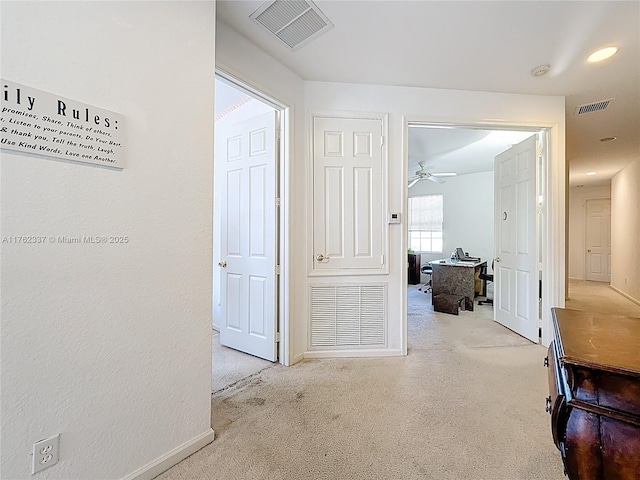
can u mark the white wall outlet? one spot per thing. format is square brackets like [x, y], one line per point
[45, 453]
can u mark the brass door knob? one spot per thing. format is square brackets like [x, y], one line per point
[320, 257]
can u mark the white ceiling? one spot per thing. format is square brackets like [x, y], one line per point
[484, 46]
[458, 150]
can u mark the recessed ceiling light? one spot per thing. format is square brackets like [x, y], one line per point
[591, 173]
[540, 70]
[602, 54]
[608, 139]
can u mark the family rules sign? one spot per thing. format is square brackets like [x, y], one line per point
[41, 123]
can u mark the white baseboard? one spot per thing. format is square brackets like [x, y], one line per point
[171, 458]
[352, 353]
[297, 358]
[634, 300]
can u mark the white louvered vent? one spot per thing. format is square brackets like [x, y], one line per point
[294, 22]
[593, 107]
[348, 316]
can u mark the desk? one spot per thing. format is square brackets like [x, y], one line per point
[457, 278]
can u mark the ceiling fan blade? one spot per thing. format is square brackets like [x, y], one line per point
[433, 179]
[414, 181]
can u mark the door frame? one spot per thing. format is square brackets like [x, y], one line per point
[283, 191]
[553, 211]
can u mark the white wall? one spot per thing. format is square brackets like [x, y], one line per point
[468, 214]
[110, 345]
[245, 61]
[462, 107]
[625, 231]
[577, 227]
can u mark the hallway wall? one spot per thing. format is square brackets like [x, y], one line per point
[109, 345]
[625, 231]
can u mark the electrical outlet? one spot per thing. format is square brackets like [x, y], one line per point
[45, 453]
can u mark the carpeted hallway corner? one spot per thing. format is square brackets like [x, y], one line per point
[466, 403]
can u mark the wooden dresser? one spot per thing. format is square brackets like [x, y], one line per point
[594, 401]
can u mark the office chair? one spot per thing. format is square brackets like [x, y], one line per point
[486, 277]
[426, 270]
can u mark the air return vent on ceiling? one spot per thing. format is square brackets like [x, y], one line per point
[294, 22]
[593, 107]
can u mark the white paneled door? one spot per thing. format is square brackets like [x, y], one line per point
[515, 272]
[348, 228]
[245, 191]
[598, 240]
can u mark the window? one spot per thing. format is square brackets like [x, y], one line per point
[425, 223]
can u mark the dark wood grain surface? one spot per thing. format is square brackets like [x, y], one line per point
[610, 342]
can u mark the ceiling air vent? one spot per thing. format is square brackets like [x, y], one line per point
[593, 107]
[294, 22]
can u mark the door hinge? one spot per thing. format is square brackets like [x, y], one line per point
[277, 269]
[381, 259]
[277, 337]
[382, 141]
[278, 202]
[278, 134]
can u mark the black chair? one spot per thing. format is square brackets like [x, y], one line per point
[486, 277]
[426, 269]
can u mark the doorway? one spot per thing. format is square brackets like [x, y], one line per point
[247, 254]
[457, 162]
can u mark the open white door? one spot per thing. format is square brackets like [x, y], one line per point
[515, 273]
[598, 240]
[245, 189]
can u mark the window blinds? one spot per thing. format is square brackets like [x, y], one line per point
[425, 213]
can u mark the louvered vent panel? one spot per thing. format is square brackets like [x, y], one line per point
[294, 22]
[593, 107]
[348, 316]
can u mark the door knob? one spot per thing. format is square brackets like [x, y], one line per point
[589, 250]
[222, 264]
[497, 259]
[320, 257]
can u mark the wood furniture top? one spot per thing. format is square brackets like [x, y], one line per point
[598, 340]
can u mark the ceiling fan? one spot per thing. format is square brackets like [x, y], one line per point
[423, 174]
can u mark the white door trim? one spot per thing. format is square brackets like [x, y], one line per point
[285, 148]
[553, 212]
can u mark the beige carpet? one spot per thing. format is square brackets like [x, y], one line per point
[231, 366]
[599, 297]
[466, 403]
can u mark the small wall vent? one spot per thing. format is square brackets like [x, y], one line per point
[593, 107]
[294, 22]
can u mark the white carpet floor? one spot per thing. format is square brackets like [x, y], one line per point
[467, 402]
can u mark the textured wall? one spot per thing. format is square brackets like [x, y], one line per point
[109, 345]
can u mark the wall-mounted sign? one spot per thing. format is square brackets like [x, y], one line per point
[40, 123]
